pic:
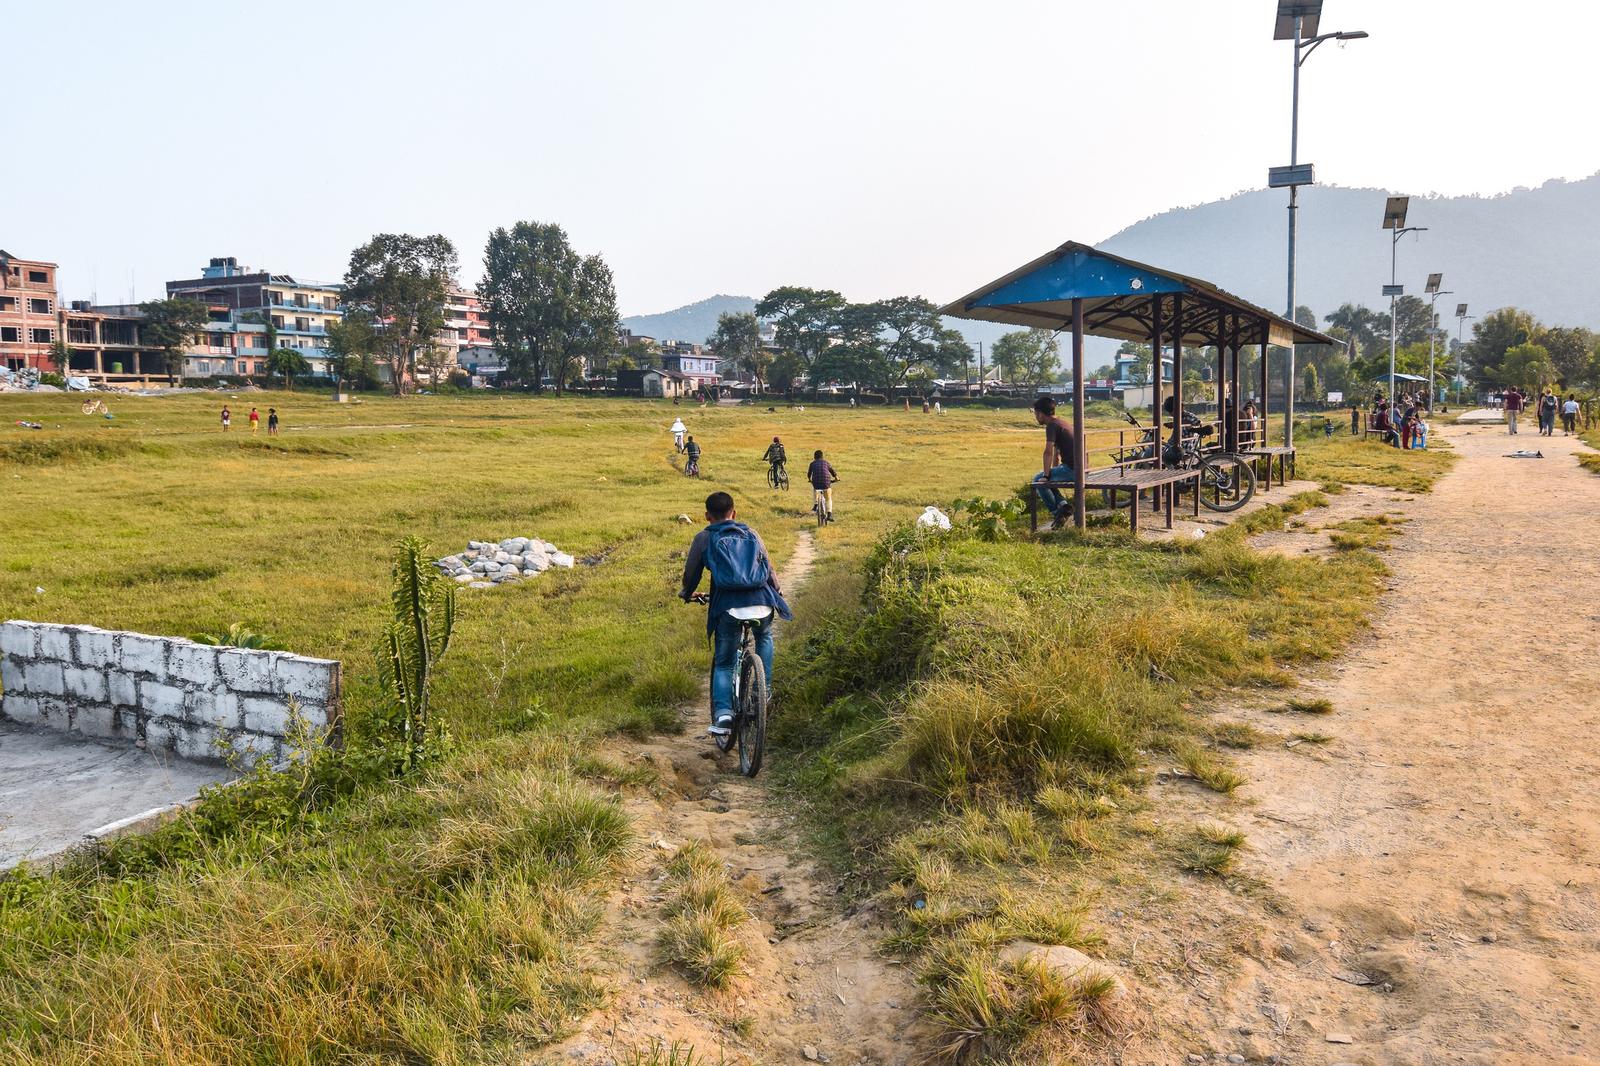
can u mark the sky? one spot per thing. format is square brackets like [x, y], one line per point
[876, 147]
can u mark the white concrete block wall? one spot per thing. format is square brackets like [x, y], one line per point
[193, 700]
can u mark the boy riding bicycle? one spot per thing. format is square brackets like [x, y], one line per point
[776, 459]
[822, 475]
[741, 576]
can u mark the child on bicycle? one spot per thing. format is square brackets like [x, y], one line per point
[741, 576]
[692, 450]
[822, 475]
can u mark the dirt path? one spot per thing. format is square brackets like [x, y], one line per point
[815, 977]
[1445, 845]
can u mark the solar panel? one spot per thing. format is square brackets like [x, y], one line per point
[1394, 212]
[1310, 11]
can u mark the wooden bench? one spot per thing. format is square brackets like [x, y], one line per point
[1285, 458]
[1121, 479]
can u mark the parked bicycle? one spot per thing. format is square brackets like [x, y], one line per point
[1227, 481]
[750, 696]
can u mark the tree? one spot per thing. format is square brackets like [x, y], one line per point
[436, 361]
[1492, 336]
[1528, 366]
[1570, 348]
[529, 289]
[1360, 325]
[785, 370]
[1139, 369]
[60, 356]
[1414, 320]
[737, 343]
[910, 332]
[171, 326]
[288, 363]
[592, 325]
[804, 320]
[1028, 357]
[352, 341]
[399, 282]
[953, 353]
[1310, 383]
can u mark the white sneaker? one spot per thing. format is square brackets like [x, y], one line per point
[723, 726]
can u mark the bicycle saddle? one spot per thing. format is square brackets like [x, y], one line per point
[750, 614]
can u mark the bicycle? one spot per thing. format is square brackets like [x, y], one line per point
[750, 693]
[778, 477]
[1227, 481]
[819, 506]
[692, 467]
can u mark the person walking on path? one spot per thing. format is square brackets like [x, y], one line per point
[255, 421]
[227, 418]
[1547, 413]
[1569, 415]
[1513, 405]
[272, 421]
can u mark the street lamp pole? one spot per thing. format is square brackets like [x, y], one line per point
[1433, 330]
[1461, 320]
[1295, 19]
[1394, 218]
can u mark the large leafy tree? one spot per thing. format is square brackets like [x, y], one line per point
[805, 319]
[1571, 350]
[1492, 336]
[911, 333]
[1528, 366]
[529, 291]
[1028, 356]
[737, 343]
[592, 322]
[953, 354]
[1361, 325]
[172, 326]
[399, 282]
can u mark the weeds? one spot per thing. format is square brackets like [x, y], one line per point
[1207, 769]
[1210, 850]
[701, 914]
[1310, 706]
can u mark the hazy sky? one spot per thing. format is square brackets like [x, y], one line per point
[871, 146]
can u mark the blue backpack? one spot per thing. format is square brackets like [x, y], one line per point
[736, 560]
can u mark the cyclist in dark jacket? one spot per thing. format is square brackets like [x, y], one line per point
[822, 475]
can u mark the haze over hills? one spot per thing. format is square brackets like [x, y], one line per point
[1538, 249]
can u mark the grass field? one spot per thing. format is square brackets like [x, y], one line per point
[371, 922]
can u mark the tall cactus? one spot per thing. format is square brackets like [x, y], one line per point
[424, 603]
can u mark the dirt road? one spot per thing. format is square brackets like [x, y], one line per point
[1445, 846]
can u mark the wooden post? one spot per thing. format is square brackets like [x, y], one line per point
[1079, 448]
[1261, 442]
[1155, 378]
[1238, 390]
[1177, 373]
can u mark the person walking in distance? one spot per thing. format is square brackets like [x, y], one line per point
[255, 421]
[1513, 405]
[1569, 415]
[822, 475]
[272, 421]
[227, 418]
[1547, 413]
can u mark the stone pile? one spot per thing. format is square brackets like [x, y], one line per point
[484, 564]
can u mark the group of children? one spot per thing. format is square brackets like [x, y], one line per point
[255, 420]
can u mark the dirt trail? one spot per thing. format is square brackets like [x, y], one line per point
[1445, 846]
[815, 976]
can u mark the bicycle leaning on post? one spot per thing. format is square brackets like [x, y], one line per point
[1227, 481]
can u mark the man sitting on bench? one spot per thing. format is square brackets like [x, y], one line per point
[1059, 447]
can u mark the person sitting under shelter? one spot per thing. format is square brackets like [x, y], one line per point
[1060, 446]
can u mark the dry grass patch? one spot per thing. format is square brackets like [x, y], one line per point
[702, 915]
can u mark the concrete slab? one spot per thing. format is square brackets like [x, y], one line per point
[56, 789]
[1485, 416]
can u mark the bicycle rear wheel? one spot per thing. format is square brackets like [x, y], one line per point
[821, 510]
[1227, 482]
[750, 724]
[772, 477]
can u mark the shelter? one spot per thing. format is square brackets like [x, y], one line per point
[1095, 293]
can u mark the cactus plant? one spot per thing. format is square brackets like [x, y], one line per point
[424, 604]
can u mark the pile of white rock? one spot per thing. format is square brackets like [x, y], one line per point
[484, 565]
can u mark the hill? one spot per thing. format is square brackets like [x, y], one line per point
[692, 322]
[1530, 248]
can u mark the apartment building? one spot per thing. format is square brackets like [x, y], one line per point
[243, 304]
[107, 342]
[28, 322]
[466, 324]
[692, 362]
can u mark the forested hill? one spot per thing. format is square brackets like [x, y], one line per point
[1538, 249]
[692, 322]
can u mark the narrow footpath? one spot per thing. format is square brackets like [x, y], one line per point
[1436, 866]
[817, 986]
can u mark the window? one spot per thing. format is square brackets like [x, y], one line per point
[302, 324]
[277, 321]
[38, 307]
[330, 302]
[38, 277]
[10, 335]
[8, 303]
[42, 336]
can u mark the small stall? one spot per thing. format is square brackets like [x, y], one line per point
[1080, 288]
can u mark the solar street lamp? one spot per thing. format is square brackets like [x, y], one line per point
[1434, 292]
[1394, 218]
[1461, 320]
[1298, 22]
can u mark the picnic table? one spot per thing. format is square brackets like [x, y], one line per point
[1284, 455]
[1116, 479]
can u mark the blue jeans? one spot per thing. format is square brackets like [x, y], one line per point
[1052, 497]
[725, 660]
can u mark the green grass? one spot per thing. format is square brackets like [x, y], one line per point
[702, 914]
[1342, 458]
